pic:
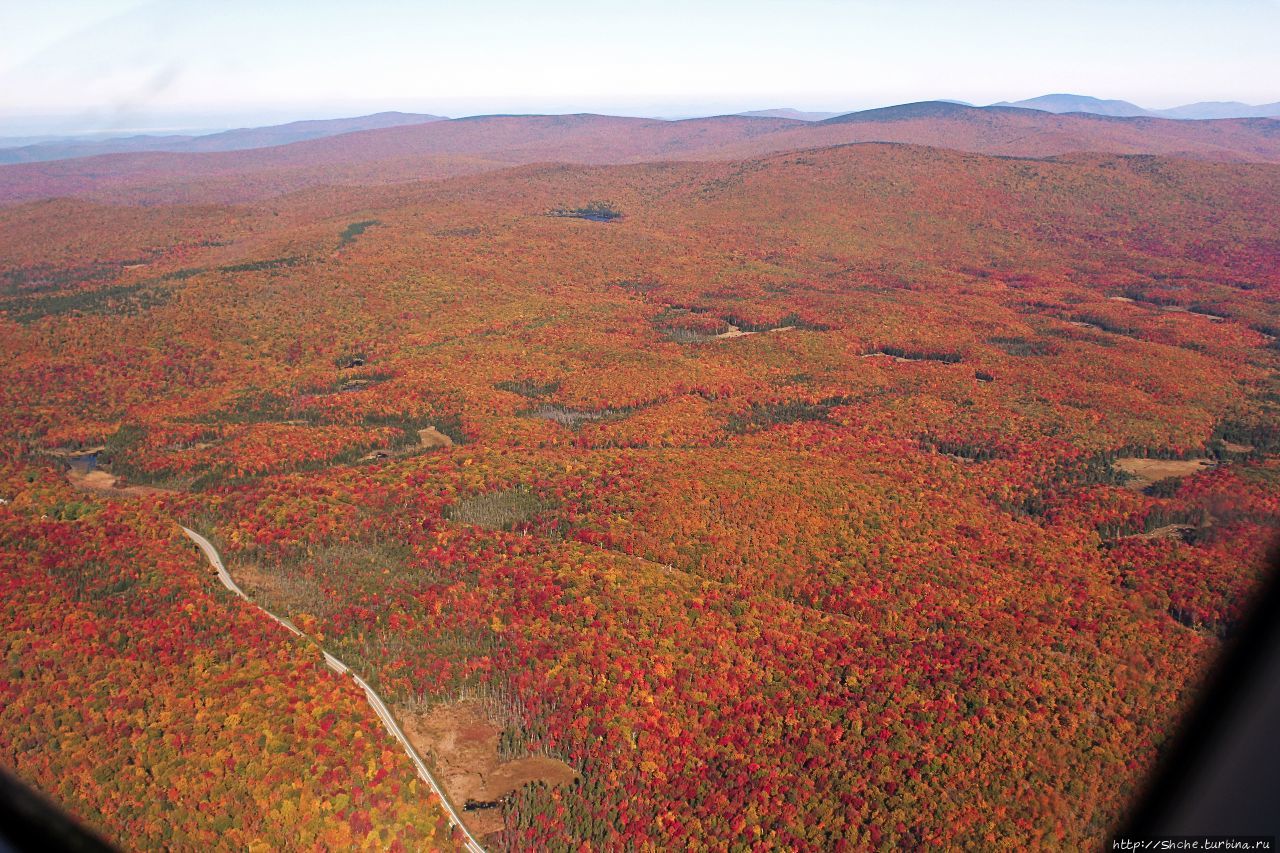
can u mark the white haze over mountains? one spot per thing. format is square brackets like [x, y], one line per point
[1096, 106]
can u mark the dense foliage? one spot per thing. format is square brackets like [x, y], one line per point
[789, 508]
[169, 716]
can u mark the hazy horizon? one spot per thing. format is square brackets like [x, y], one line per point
[175, 65]
[72, 126]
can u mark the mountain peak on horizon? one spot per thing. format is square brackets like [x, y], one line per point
[789, 112]
[917, 109]
[1201, 110]
[1069, 103]
[1222, 109]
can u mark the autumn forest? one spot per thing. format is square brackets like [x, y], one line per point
[733, 484]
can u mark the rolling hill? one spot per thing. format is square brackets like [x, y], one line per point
[229, 140]
[791, 507]
[466, 146]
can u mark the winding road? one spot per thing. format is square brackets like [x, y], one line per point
[380, 707]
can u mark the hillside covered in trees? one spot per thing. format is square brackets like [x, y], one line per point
[859, 496]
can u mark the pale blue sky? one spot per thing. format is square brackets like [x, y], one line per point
[122, 63]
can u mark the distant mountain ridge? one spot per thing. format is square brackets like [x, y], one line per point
[1222, 109]
[451, 148]
[1065, 103]
[789, 112]
[1079, 104]
[240, 139]
[1055, 103]
[917, 110]
[48, 149]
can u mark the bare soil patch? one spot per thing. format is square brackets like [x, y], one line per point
[1144, 472]
[734, 332]
[103, 483]
[462, 743]
[432, 438]
[429, 438]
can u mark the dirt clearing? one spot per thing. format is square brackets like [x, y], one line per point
[101, 482]
[431, 438]
[462, 743]
[734, 332]
[1144, 472]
